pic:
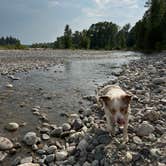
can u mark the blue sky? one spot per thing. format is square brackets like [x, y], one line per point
[43, 20]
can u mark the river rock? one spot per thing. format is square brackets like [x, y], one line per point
[29, 164]
[9, 85]
[128, 157]
[2, 156]
[30, 138]
[151, 115]
[66, 127]
[144, 129]
[62, 155]
[45, 137]
[83, 144]
[5, 144]
[137, 140]
[160, 80]
[26, 160]
[77, 124]
[57, 131]
[50, 158]
[12, 126]
[51, 149]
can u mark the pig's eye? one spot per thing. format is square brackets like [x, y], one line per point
[123, 110]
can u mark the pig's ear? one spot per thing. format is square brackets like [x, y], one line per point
[127, 98]
[105, 99]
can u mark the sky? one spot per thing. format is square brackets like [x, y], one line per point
[44, 20]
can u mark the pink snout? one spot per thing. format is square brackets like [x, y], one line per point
[120, 121]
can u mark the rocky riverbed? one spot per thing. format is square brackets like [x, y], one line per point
[83, 140]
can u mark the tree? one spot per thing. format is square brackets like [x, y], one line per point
[67, 37]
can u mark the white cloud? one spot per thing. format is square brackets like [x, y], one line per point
[116, 3]
[53, 3]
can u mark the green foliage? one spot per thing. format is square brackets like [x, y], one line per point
[11, 43]
[149, 33]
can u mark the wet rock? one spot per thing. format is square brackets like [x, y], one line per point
[86, 164]
[41, 152]
[44, 130]
[128, 157]
[137, 140]
[51, 149]
[83, 144]
[30, 138]
[12, 126]
[2, 156]
[151, 115]
[62, 155]
[160, 80]
[66, 127]
[5, 144]
[45, 137]
[50, 158]
[9, 85]
[77, 124]
[74, 116]
[95, 163]
[145, 129]
[26, 160]
[155, 152]
[13, 77]
[57, 131]
[64, 114]
[163, 138]
[71, 149]
[29, 164]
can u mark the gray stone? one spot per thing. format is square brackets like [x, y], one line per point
[137, 140]
[41, 152]
[95, 163]
[151, 115]
[2, 156]
[44, 130]
[29, 164]
[50, 158]
[66, 127]
[128, 157]
[62, 155]
[51, 149]
[30, 138]
[145, 129]
[82, 146]
[9, 85]
[56, 132]
[160, 80]
[5, 144]
[26, 160]
[77, 124]
[86, 164]
[45, 137]
[12, 126]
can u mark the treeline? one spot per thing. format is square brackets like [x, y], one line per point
[148, 34]
[102, 35]
[10, 43]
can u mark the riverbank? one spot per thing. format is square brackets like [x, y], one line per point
[83, 140]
